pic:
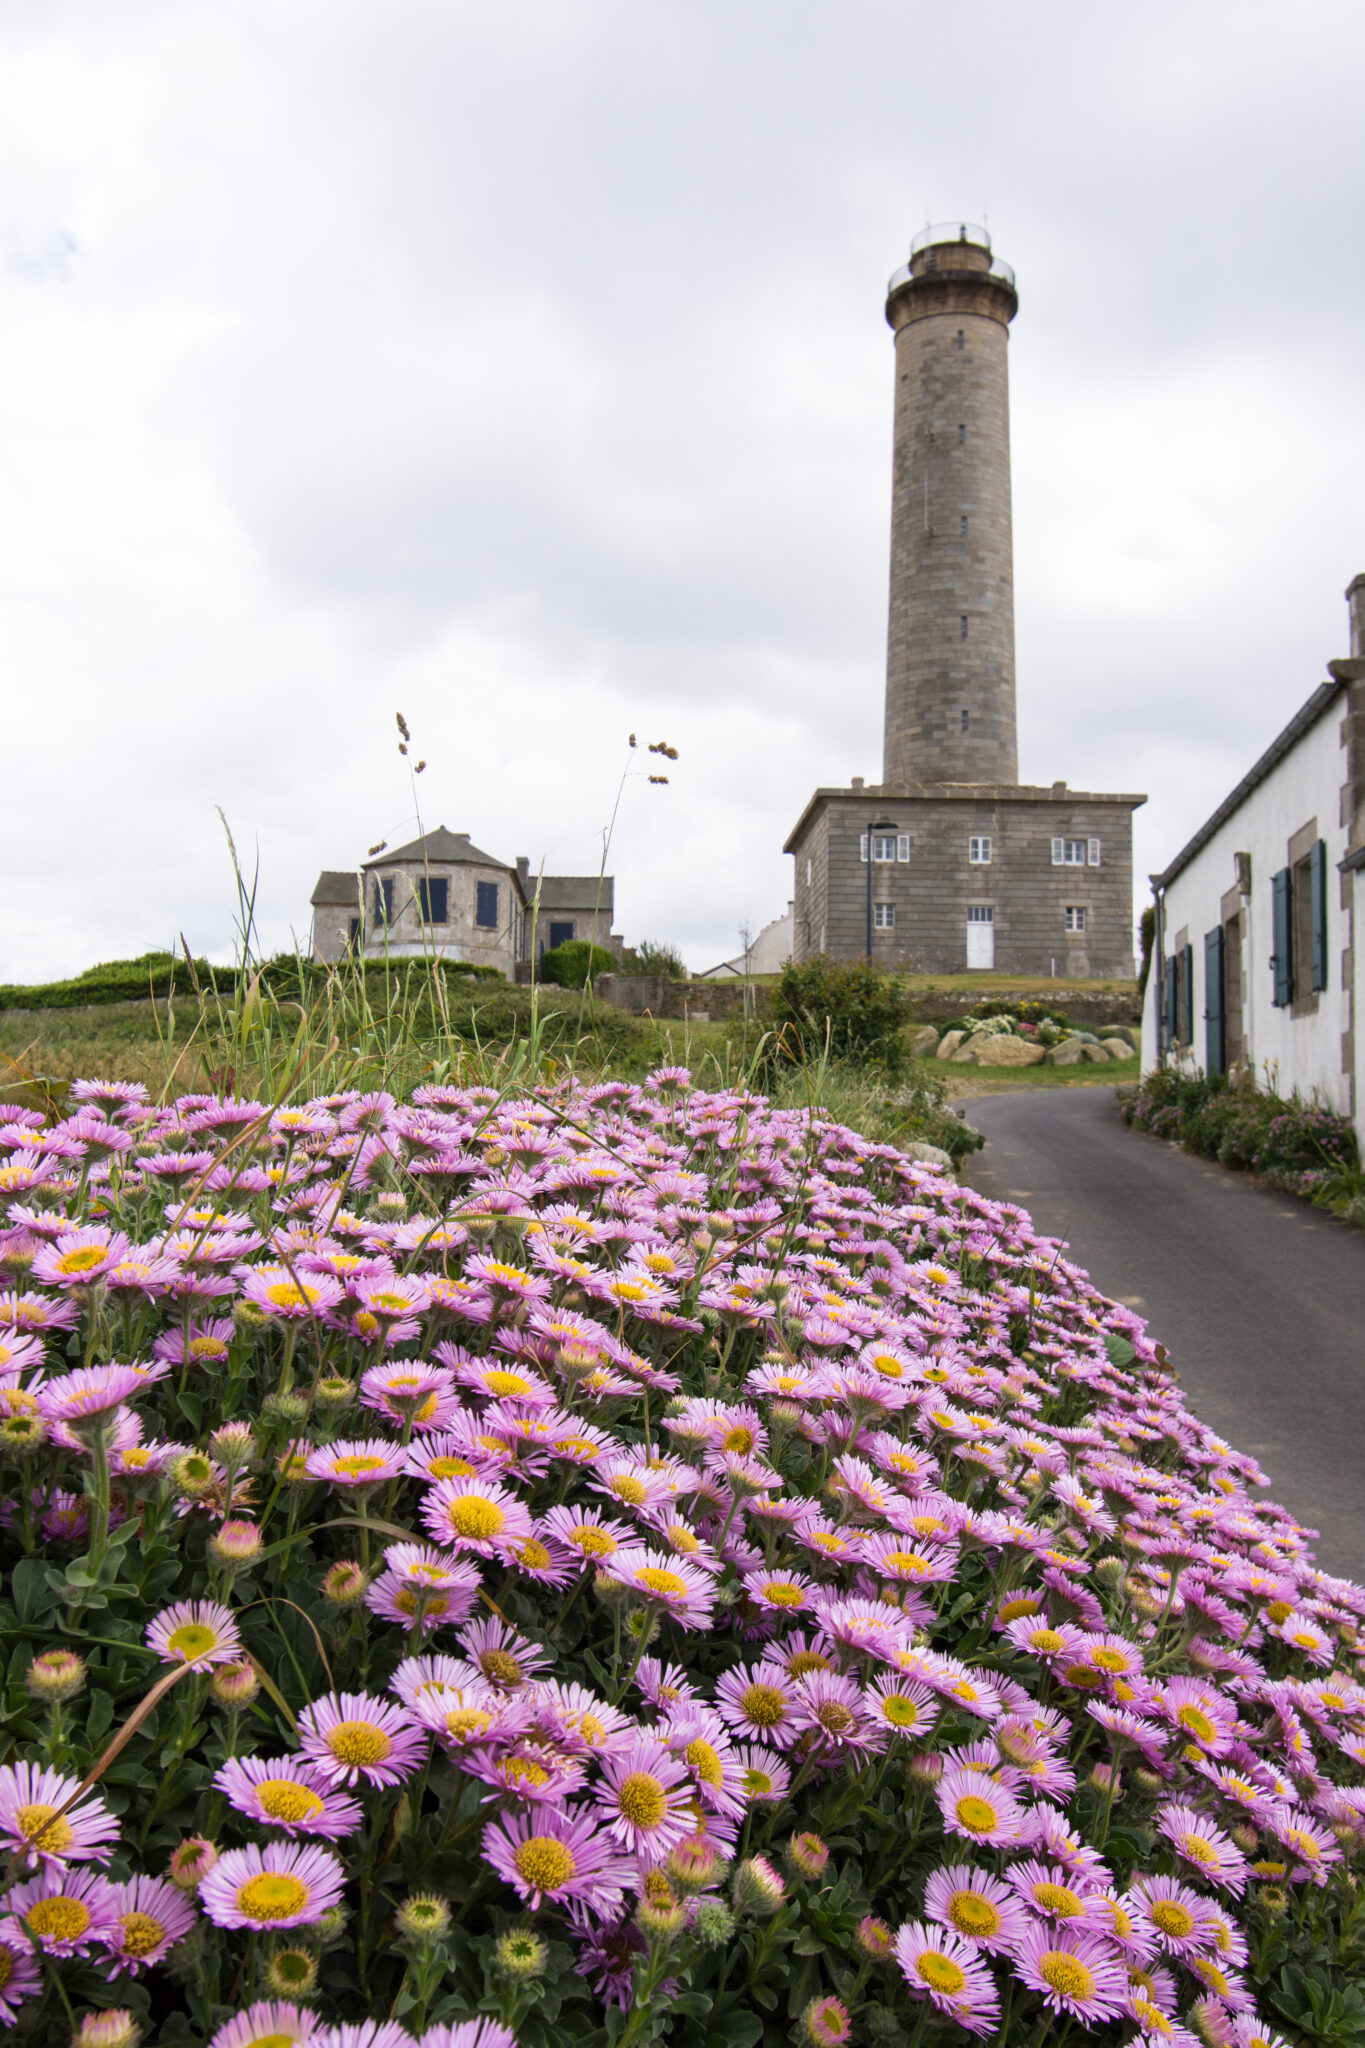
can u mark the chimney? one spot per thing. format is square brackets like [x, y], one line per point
[1355, 599]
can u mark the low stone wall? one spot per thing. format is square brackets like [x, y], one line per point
[1088, 1008]
[723, 1002]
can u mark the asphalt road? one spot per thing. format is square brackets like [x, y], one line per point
[1259, 1299]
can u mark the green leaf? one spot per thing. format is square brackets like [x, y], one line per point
[1120, 1350]
[738, 2030]
[34, 1593]
[98, 1717]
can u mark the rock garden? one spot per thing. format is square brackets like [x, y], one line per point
[1024, 1036]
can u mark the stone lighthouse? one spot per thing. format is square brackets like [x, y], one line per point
[950, 643]
[949, 863]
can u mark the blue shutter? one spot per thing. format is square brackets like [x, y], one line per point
[433, 896]
[1317, 887]
[1215, 1039]
[1282, 937]
[1187, 992]
[1168, 1022]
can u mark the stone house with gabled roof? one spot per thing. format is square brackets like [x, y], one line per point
[442, 896]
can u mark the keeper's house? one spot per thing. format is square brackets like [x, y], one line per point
[1255, 966]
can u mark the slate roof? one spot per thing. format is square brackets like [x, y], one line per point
[334, 886]
[452, 848]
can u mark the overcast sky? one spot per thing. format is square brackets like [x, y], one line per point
[523, 368]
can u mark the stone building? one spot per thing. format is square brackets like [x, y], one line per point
[949, 863]
[441, 895]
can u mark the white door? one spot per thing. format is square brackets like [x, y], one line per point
[980, 936]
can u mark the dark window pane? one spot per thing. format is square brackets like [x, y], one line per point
[433, 894]
[560, 934]
[486, 906]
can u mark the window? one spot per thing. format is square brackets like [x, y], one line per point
[980, 913]
[560, 934]
[966, 716]
[961, 337]
[962, 627]
[1298, 924]
[433, 897]
[1068, 853]
[486, 905]
[884, 846]
[1075, 917]
[808, 873]
[353, 936]
[1093, 852]
[902, 846]
[961, 435]
[962, 525]
[383, 901]
[979, 850]
[884, 917]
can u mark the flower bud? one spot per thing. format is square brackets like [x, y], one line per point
[21, 1435]
[1147, 1781]
[807, 1855]
[250, 1320]
[874, 1938]
[521, 1955]
[55, 1675]
[194, 1475]
[693, 1864]
[191, 1862]
[1274, 1899]
[332, 1394]
[390, 1204]
[235, 1685]
[825, 2023]
[714, 1926]
[344, 1584]
[926, 1768]
[291, 1409]
[757, 1887]
[236, 1544]
[115, 2027]
[1246, 1838]
[1106, 1779]
[660, 1918]
[233, 1445]
[424, 1918]
[292, 1973]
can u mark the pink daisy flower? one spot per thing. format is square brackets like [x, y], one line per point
[830, 1708]
[32, 1822]
[974, 1805]
[666, 1582]
[1045, 1887]
[281, 1792]
[20, 1971]
[152, 1916]
[645, 1798]
[195, 1632]
[972, 1903]
[1212, 1853]
[93, 1391]
[587, 1533]
[350, 1736]
[1077, 1973]
[476, 1515]
[1182, 1920]
[763, 1777]
[278, 1292]
[367, 2034]
[900, 1706]
[950, 1973]
[564, 1857]
[65, 1911]
[483, 2033]
[351, 1462]
[411, 1604]
[284, 1884]
[499, 1654]
[760, 1702]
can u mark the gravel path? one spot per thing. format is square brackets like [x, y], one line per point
[1259, 1299]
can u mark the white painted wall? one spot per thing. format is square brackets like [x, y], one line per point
[1291, 1054]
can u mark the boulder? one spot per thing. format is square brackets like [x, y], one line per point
[925, 1154]
[1008, 1052]
[1069, 1053]
[1096, 1055]
[1117, 1048]
[949, 1044]
[923, 1041]
[965, 1055]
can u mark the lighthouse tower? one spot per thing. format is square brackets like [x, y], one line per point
[950, 713]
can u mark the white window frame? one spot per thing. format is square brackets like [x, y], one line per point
[1075, 917]
[979, 850]
[1068, 853]
[883, 917]
[899, 843]
[809, 870]
[1093, 852]
[902, 846]
[981, 913]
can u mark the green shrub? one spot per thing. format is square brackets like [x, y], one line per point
[1300, 1146]
[650, 958]
[575, 963]
[842, 1009]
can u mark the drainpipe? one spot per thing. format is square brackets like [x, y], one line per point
[1158, 966]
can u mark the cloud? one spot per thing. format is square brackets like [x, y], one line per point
[525, 370]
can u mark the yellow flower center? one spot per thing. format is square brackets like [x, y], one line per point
[1172, 1918]
[1047, 1640]
[778, 1594]
[286, 1294]
[834, 1717]
[705, 1762]
[1295, 1838]
[757, 1784]
[899, 1711]
[466, 1721]
[593, 1542]
[941, 1973]
[272, 1896]
[1199, 1849]
[450, 1468]
[667, 1585]
[1059, 1899]
[740, 1438]
[358, 1742]
[502, 1667]
[1110, 1660]
[593, 1731]
[544, 1863]
[475, 1517]
[808, 1660]
[505, 1384]
[284, 1799]
[533, 1556]
[207, 1347]
[83, 1260]
[56, 1833]
[1016, 1609]
[1066, 1974]
[629, 1489]
[976, 1815]
[524, 1770]
[357, 1466]
[763, 1705]
[1082, 1677]
[192, 1640]
[141, 1933]
[58, 1919]
[642, 1799]
[974, 1915]
[1197, 1721]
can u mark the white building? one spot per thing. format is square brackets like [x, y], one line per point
[766, 954]
[1255, 969]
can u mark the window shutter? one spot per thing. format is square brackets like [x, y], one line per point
[902, 846]
[862, 846]
[1187, 976]
[1317, 886]
[1058, 853]
[1215, 1045]
[1168, 1007]
[1093, 846]
[1281, 937]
